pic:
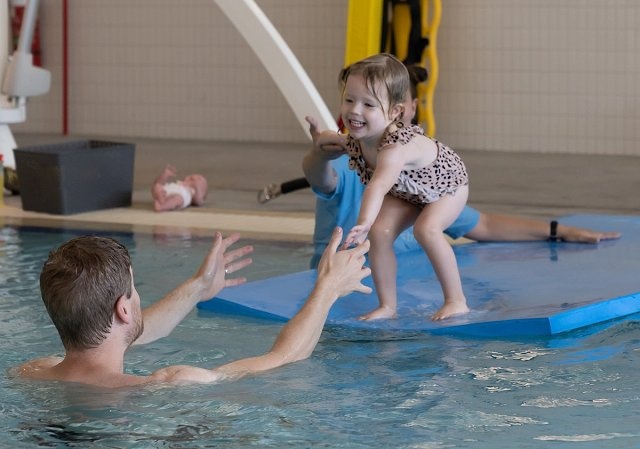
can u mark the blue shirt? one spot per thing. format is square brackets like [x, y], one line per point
[342, 206]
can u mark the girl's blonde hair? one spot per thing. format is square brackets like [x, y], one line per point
[384, 70]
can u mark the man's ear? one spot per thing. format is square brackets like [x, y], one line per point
[123, 310]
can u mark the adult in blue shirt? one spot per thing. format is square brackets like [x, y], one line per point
[339, 193]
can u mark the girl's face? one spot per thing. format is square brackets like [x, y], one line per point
[364, 115]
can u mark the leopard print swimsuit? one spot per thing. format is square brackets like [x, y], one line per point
[419, 186]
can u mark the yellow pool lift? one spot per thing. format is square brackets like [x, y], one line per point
[406, 28]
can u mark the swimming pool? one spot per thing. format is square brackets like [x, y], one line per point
[360, 389]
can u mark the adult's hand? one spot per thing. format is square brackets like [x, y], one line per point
[329, 144]
[163, 316]
[344, 270]
[212, 276]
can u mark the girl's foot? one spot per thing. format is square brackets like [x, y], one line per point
[381, 313]
[450, 309]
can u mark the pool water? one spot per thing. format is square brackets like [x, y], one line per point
[360, 389]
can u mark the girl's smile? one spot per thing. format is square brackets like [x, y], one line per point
[364, 113]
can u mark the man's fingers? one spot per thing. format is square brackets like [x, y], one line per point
[216, 245]
[348, 241]
[232, 267]
[355, 284]
[237, 253]
[230, 240]
[336, 238]
[234, 281]
[363, 248]
[358, 249]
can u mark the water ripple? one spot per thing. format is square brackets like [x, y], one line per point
[587, 437]
[546, 402]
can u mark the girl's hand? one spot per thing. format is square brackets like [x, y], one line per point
[356, 236]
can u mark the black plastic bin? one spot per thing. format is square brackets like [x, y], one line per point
[77, 176]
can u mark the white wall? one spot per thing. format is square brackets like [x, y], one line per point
[541, 75]
[515, 75]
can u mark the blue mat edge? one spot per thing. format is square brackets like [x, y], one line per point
[580, 317]
[595, 313]
[568, 321]
[219, 305]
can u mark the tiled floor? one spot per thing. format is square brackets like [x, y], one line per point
[539, 185]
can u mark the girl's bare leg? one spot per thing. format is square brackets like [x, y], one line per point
[394, 217]
[428, 229]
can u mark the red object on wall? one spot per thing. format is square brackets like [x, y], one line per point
[17, 12]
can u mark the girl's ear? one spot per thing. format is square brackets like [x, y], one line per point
[396, 111]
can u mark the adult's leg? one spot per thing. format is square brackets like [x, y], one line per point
[509, 228]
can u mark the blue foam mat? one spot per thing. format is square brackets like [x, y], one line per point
[513, 289]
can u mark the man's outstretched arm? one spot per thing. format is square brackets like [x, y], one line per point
[163, 316]
[339, 273]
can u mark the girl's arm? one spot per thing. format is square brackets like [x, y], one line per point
[389, 164]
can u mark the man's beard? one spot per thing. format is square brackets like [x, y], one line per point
[136, 331]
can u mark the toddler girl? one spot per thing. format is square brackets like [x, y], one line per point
[411, 180]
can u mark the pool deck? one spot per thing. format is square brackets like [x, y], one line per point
[526, 184]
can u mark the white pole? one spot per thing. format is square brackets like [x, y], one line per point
[279, 60]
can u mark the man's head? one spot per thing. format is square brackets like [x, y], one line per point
[81, 283]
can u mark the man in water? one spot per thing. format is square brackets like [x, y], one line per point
[88, 288]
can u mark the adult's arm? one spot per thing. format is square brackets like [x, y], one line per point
[163, 316]
[316, 164]
[339, 273]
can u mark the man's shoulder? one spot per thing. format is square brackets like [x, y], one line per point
[36, 368]
[50, 369]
